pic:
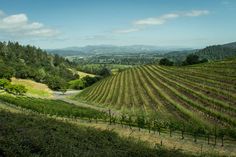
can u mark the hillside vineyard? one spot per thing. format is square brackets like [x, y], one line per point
[204, 93]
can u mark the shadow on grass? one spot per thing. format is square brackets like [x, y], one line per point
[33, 135]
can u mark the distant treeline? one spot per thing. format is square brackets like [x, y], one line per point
[29, 62]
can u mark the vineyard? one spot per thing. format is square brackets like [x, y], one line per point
[202, 96]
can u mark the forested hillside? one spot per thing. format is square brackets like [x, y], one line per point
[33, 63]
[217, 52]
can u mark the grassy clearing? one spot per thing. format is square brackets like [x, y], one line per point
[83, 74]
[34, 89]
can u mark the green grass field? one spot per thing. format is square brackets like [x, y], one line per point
[198, 95]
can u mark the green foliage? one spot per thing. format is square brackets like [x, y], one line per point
[6, 71]
[88, 80]
[77, 84]
[13, 89]
[56, 83]
[83, 82]
[100, 69]
[4, 83]
[165, 61]
[217, 52]
[193, 59]
[28, 62]
[105, 72]
[16, 89]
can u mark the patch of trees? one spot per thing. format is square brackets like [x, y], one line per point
[193, 59]
[83, 82]
[29, 62]
[103, 70]
[11, 88]
[166, 62]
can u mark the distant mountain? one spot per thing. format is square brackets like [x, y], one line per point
[111, 49]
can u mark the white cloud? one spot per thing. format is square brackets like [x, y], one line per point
[156, 21]
[195, 13]
[162, 20]
[18, 25]
[127, 30]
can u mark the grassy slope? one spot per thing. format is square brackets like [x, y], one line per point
[34, 89]
[205, 92]
[62, 138]
[83, 74]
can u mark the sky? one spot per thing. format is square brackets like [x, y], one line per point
[166, 23]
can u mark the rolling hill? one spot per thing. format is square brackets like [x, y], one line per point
[218, 52]
[197, 95]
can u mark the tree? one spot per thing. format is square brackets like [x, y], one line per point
[105, 72]
[88, 80]
[192, 59]
[56, 83]
[166, 62]
[6, 71]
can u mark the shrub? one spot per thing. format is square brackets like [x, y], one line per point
[88, 80]
[193, 59]
[77, 84]
[16, 89]
[4, 83]
[166, 62]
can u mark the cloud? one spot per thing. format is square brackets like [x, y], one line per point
[156, 21]
[127, 30]
[195, 13]
[140, 24]
[18, 25]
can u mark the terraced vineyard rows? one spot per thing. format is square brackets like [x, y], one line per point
[196, 94]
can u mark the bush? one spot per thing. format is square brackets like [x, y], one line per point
[193, 59]
[166, 62]
[88, 80]
[55, 83]
[77, 84]
[105, 72]
[16, 89]
[4, 83]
